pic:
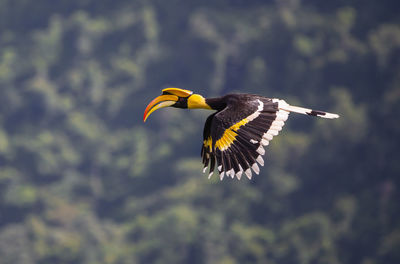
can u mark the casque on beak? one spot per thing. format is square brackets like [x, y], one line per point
[159, 102]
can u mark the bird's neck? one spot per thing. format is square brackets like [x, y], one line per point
[216, 103]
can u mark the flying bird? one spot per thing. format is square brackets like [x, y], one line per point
[235, 135]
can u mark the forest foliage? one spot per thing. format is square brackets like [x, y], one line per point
[83, 180]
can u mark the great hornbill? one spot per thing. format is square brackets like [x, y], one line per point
[235, 135]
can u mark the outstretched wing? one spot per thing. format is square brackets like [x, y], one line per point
[234, 138]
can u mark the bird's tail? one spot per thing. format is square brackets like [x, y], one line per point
[305, 111]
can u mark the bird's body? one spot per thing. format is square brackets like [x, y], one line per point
[235, 135]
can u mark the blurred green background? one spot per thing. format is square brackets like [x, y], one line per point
[83, 180]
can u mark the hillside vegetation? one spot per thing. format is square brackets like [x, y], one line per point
[84, 180]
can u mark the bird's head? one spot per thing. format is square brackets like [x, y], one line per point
[175, 97]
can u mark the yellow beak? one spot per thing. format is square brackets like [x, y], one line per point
[159, 102]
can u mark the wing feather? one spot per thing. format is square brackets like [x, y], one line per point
[233, 138]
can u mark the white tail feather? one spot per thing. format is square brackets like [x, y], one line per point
[305, 111]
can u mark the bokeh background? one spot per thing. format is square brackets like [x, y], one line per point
[83, 180]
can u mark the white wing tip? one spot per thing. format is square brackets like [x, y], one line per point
[255, 168]
[260, 160]
[261, 150]
[231, 173]
[248, 173]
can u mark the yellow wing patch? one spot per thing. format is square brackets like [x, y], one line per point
[230, 135]
[208, 143]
